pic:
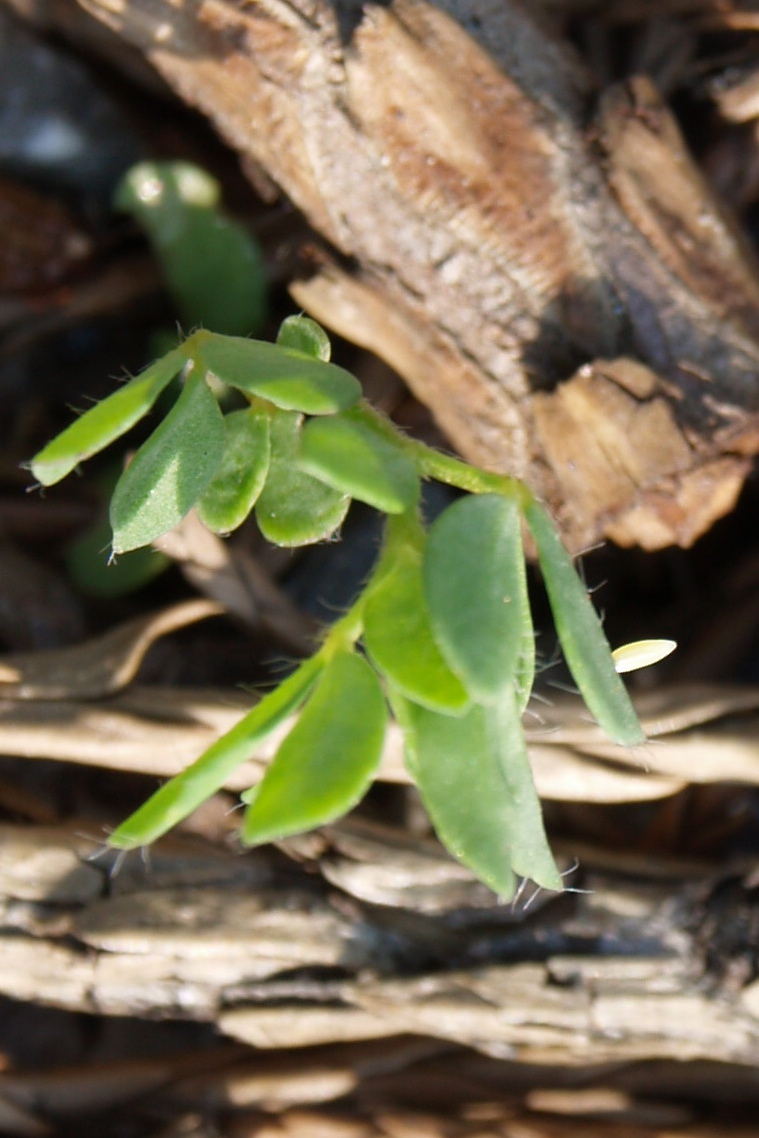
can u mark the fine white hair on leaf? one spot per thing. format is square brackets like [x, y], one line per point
[641, 654]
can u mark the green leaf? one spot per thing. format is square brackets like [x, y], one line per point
[525, 672]
[294, 508]
[89, 564]
[399, 639]
[355, 460]
[304, 335]
[326, 763]
[585, 646]
[170, 470]
[186, 791]
[214, 268]
[288, 379]
[475, 780]
[474, 584]
[234, 489]
[106, 421]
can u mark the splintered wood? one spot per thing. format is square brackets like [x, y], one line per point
[520, 262]
[262, 950]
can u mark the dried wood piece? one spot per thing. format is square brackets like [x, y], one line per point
[156, 731]
[265, 931]
[701, 734]
[44, 864]
[100, 666]
[611, 432]
[315, 1024]
[280, 962]
[483, 239]
[386, 866]
[654, 1009]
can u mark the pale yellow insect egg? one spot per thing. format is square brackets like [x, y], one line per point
[641, 653]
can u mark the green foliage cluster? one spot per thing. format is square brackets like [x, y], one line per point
[441, 635]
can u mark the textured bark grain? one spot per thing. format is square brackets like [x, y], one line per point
[493, 233]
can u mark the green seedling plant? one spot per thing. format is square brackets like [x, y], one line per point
[441, 635]
[212, 267]
[215, 276]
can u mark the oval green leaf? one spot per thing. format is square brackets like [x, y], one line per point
[355, 460]
[304, 335]
[398, 637]
[239, 479]
[214, 268]
[474, 584]
[326, 763]
[585, 646]
[107, 421]
[90, 568]
[294, 508]
[187, 791]
[288, 379]
[170, 470]
[474, 778]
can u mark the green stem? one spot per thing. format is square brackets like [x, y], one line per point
[445, 468]
[455, 472]
[401, 530]
[343, 634]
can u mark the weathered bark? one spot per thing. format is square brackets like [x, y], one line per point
[656, 960]
[488, 237]
[278, 961]
[80, 704]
